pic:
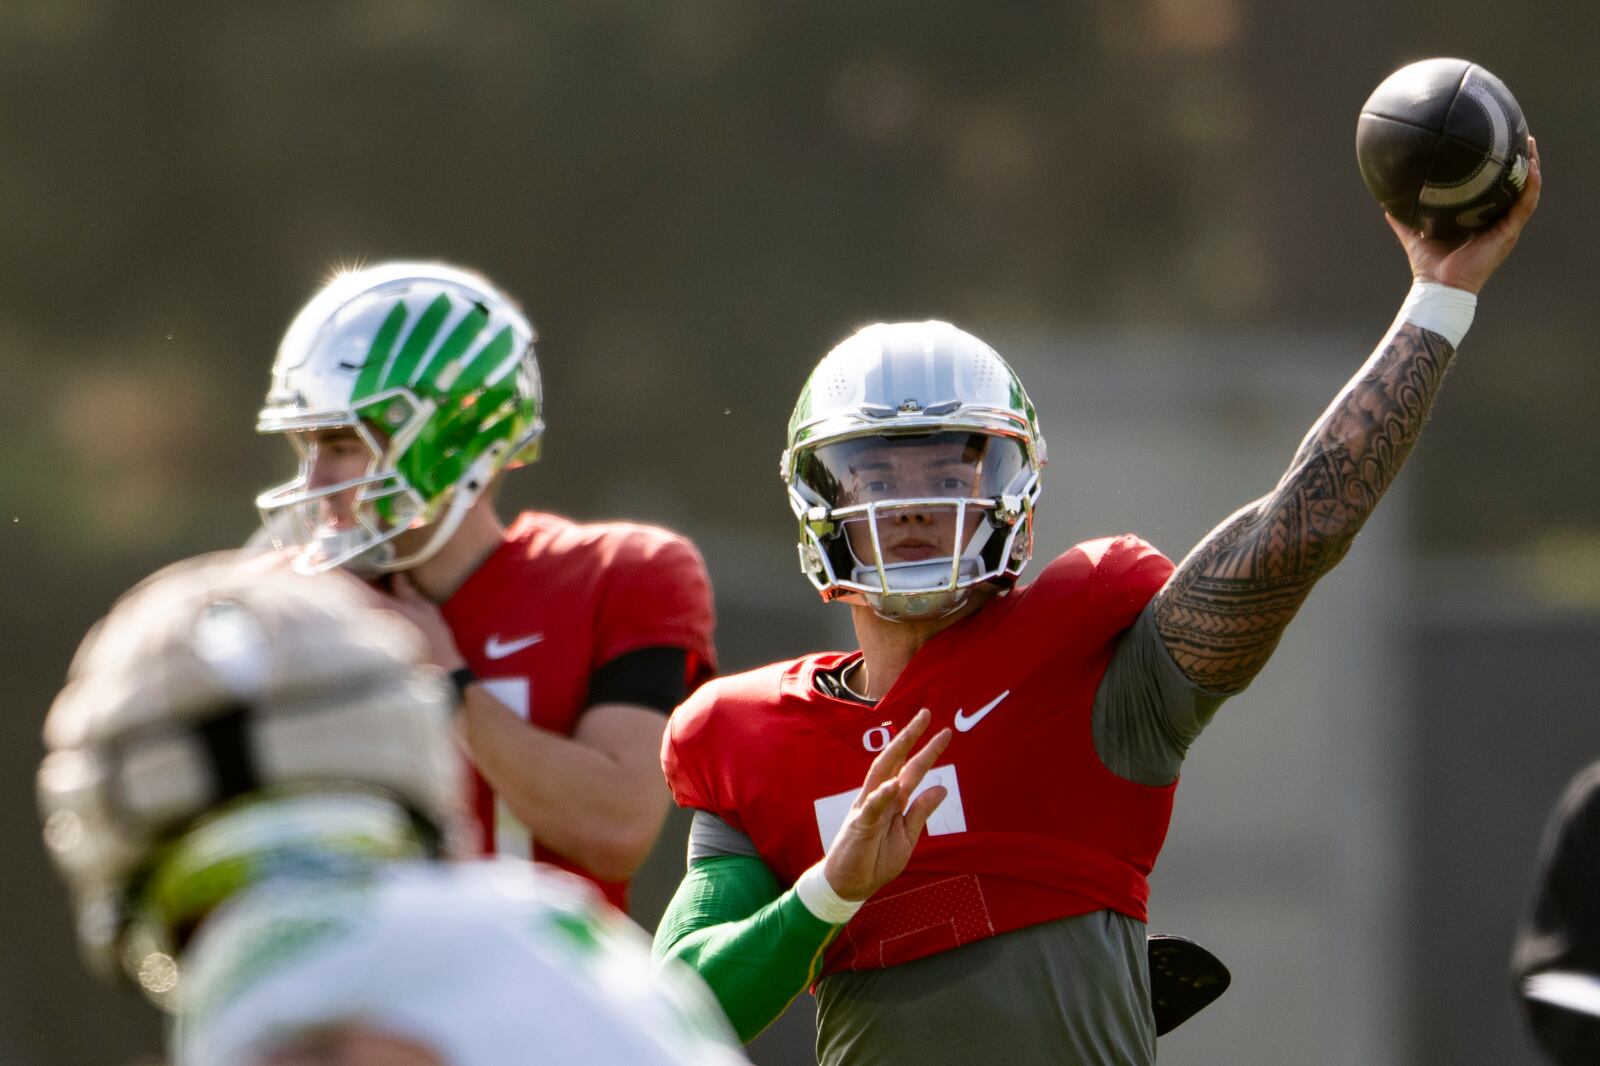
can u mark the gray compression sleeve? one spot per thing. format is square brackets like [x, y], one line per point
[1147, 712]
[710, 836]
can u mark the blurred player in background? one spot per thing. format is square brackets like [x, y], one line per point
[247, 772]
[406, 389]
[1052, 719]
[1556, 960]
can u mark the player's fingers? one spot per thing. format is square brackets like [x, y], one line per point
[893, 756]
[1509, 228]
[403, 589]
[920, 763]
[876, 808]
[922, 809]
[1535, 184]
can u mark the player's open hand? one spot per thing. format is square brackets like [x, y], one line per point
[874, 843]
[1469, 265]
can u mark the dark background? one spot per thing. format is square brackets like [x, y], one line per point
[694, 200]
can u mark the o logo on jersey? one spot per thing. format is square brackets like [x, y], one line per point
[877, 738]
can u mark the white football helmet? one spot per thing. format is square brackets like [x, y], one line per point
[913, 465]
[433, 367]
[210, 689]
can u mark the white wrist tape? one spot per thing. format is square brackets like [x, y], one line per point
[1439, 309]
[821, 900]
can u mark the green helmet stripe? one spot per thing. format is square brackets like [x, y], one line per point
[483, 364]
[422, 335]
[378, 354]
[445, 449]
[461, 337]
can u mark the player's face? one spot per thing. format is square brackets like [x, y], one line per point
[332, 457]
[938, 467]
[352, 1046]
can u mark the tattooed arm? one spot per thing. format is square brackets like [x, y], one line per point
[1225, 607]
[1223, 611]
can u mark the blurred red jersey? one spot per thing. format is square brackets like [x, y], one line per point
[555, 602]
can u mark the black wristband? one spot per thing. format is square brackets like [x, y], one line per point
[460, 678]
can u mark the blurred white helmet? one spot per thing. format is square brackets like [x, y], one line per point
[913, 466]
[210, 687]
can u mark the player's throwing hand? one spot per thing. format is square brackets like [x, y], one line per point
[875, 841]
[1469, 264]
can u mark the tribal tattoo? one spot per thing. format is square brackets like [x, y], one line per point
[1227, 605]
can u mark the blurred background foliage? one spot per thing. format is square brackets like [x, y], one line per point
[695, 199]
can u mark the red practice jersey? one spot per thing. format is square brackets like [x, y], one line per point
[554, 603]
[1033, 826]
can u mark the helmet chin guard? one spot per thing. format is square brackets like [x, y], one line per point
[916, 606]
[346, 549]
[905, 595]
[912, 467]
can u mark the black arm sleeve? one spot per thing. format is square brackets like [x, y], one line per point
[650, 677]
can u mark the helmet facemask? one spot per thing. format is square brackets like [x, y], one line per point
[341, 524]
[360, 522]
[910, 523]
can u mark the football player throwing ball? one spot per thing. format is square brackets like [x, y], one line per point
[947, 832]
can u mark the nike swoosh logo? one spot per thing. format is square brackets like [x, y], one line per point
[496, 649]
[965, 721]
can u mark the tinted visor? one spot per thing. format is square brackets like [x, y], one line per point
[953, 465]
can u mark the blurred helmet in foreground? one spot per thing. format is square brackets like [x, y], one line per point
[229, 721]
[433, 367]
[913, 466]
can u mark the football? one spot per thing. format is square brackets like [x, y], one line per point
[1443, 146]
